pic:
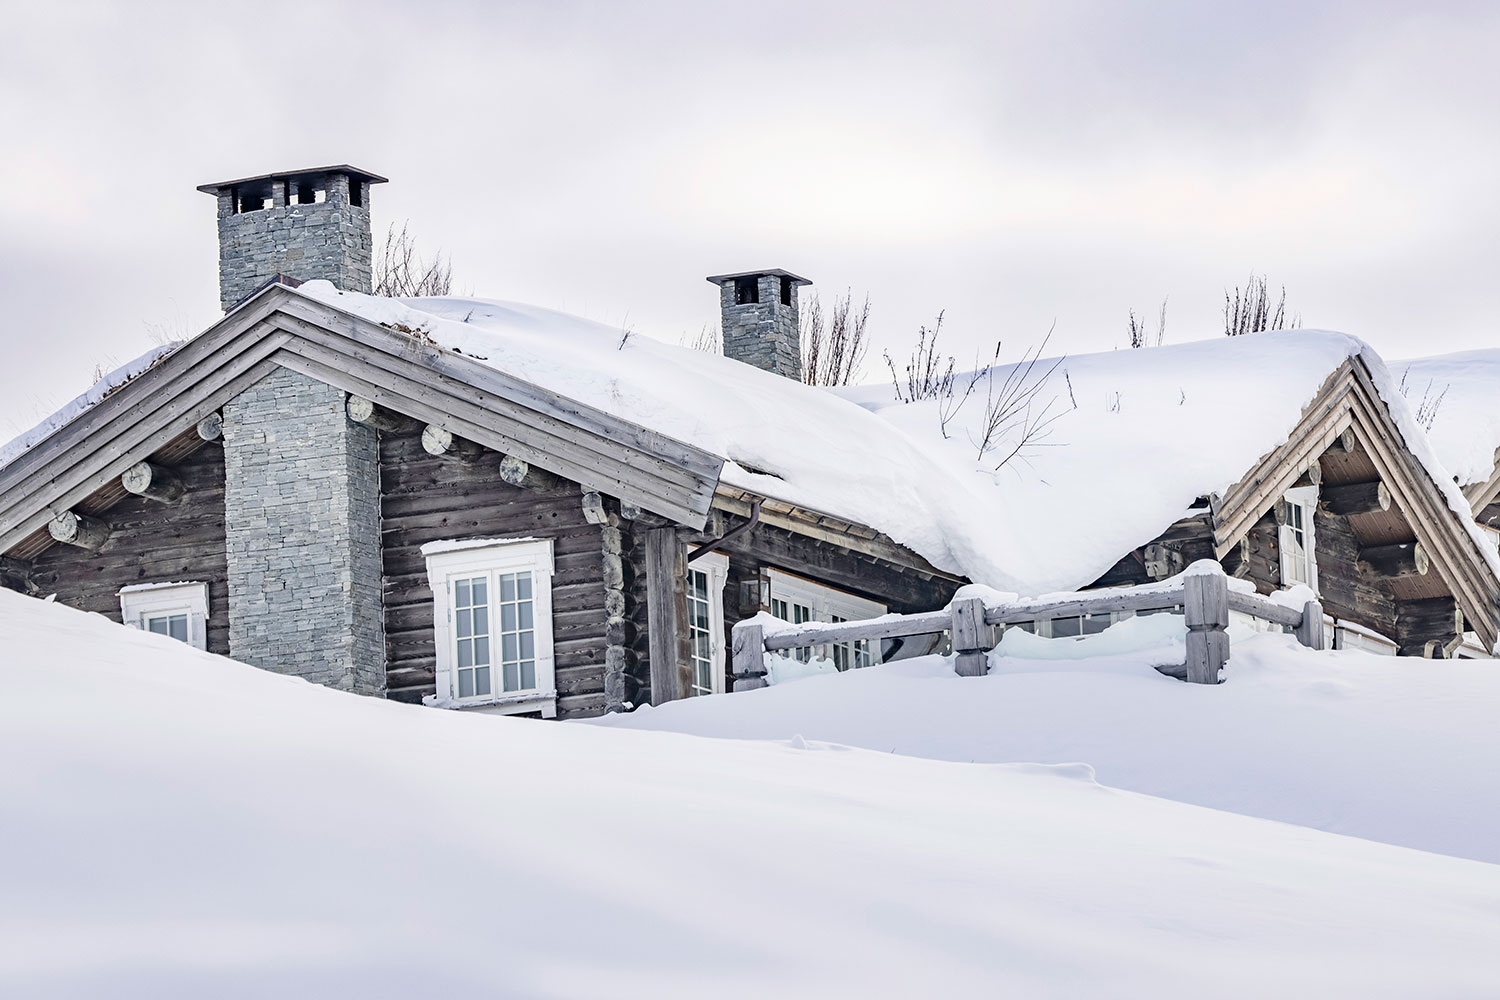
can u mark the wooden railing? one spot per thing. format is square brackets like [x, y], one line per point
[1202, 593]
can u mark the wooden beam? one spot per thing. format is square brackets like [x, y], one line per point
[1356, 498]
[1346, 442]
[594, 511]
[211, 427]
[630, 511]
[1312, 475]
[519, 472]
[1431, 628]
[666, 589]
[364, 411]
[154, 482]
[442, 442]
[1404, 559]
[72, 528]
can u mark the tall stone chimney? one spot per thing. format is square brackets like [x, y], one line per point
[306, 224]
[761, 322]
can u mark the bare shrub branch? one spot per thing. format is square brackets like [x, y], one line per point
[1428, 406]
[927, 375]
[709, 340]
[833, 351]
[1015, 419]
[1251, 311]
[1141, 335]
[402, 273]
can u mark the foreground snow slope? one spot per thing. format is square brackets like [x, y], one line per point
[1391, 749]
[176, 824]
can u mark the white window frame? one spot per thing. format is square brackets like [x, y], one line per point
[143, 601]
[449, 561]
[1306, 498]
[827, 603]
[715, 566]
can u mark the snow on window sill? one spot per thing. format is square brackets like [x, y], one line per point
[510, 704]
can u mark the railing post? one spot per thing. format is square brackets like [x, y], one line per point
[970, 650]
[1205, 606]
[749, 655]
[1310, 632]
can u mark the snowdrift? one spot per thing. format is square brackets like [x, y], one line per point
[177, 824]
[1386, 748]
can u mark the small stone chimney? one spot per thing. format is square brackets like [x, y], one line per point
[761, 322]
[305, 224]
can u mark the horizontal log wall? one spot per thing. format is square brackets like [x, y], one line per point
[152, 542]
[427, 499]
[766, 546]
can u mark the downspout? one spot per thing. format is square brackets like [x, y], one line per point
[729, 535]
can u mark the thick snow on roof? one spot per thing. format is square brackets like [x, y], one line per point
[178, 824]
[23, 443]
[1462, 393]
[1139, 436]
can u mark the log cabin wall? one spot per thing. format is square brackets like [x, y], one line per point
[765, 547]
[428, 499]
[152, 542]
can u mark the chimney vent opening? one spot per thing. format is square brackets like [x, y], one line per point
[356, 192]
[746, 291]
[303, 193]
[786, 290]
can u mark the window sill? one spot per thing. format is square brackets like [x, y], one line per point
[511, 704]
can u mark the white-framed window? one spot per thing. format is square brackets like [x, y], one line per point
[797, 600]
[177, 610]
[706, 576]
[1299, 562]
[492, 614]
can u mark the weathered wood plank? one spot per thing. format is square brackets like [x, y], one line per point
[1205, 609]
[1356, 498]
[747, 652]
[971, 638]
[665, 572]
[1264, 609]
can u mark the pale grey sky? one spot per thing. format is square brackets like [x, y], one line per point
[1012, 163]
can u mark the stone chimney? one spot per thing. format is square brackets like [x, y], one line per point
[305, 224]
[761, 322]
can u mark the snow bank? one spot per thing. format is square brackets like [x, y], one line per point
[1463, 393]
[1386, 748]
[182, 825]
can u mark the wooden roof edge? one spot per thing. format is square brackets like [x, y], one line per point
[804, 521]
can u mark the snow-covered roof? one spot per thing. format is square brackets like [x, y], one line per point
[1138, 435]
[1459, 398]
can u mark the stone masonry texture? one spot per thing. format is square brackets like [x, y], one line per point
[765, 334]
[328, 239]
[302, 531]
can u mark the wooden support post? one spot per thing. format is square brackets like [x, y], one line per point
[364, 411]
[1310, 632]
[1432, 627]
[748, 661]
[211, 427]
[970, 638]
[519, 473]
[1356, 498]
[154, 482]
[72, 528]
[594, 511]
[1405, 559]
[1205, 606]
[442, 442]
[666, 610]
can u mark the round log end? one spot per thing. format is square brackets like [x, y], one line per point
[64, 527]
[513, 470]
[1420, 555]
[437, 440]
[360, 410]
[211, 427]
[137, 478]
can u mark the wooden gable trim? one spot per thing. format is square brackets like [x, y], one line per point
[1481, 495]
[281, 327]
[1348, 400]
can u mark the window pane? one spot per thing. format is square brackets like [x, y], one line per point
[1062, 627]
[528, 674]
[508, 617]
[525, 614]
[482, 680]
[482, 651]
[464, 623]
[510, 650]
[157, 625]
[466, 652]
[528, 646]
[511, 676]
[461, 594]
[523, 586]
[482, 620]
[508, 587]
[481, 590]
[466, 683]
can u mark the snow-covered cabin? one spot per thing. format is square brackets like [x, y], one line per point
[499, 507]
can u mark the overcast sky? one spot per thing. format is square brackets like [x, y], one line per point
[1014, 164]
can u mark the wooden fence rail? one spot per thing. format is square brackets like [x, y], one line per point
[1202, 594]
